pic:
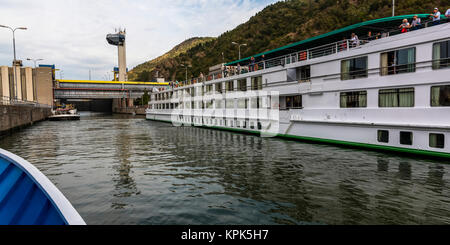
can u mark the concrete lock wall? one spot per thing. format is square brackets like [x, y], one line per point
[4, 81]
[44, 85]
[14, 117]
[32, 85]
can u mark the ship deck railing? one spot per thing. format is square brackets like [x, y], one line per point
[303, 55]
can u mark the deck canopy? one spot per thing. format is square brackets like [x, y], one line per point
[361, 29]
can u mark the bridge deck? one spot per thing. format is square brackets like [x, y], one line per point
[113, 82]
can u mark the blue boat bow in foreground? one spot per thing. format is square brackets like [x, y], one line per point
[28, 197]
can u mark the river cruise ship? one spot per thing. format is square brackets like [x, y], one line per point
[387, 90]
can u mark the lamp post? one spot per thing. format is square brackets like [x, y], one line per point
[14, 48]
[239, 44]
[393, 8]
[34, 60]
[185, 66]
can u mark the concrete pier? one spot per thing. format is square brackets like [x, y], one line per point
[14, 117]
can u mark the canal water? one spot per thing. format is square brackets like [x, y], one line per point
[119, 169]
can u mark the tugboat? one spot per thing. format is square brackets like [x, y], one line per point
[64, 112]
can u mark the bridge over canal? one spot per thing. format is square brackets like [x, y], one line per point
[119, 93]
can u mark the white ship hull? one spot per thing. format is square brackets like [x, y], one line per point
[420, 127]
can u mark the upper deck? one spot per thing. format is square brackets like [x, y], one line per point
[311, 49]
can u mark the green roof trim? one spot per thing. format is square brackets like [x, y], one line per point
[338, 31]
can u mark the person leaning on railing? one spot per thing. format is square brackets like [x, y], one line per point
[447, 14]
[342, 46]
[416, 23]
[404, 26]
[436, 17]
[252, 64]
[354, 40]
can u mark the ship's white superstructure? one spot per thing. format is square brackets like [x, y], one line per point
[390, 93]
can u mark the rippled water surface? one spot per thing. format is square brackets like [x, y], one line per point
[126, 170]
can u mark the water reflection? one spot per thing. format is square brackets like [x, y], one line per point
[125, 170]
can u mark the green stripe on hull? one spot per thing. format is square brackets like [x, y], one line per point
[385, 148]
[159, 120]
[369, 146]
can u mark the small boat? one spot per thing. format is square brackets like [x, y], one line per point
[28, 197]
[64, 113]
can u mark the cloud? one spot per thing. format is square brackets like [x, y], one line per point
[71, 33]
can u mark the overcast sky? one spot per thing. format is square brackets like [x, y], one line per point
[71, 33]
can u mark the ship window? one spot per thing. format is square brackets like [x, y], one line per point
[229, 104]
[398, 61]
[400, 97]
[255, 102]
[242, 85]
[437, 140]
[406, 138]
[441, 55]
[354, 99]
[242, 103]
[219, 104]
[209, 104]
[383, 136]
[303, 73]
[209, 88]
[440, 95]
[294, 101]
[229, 86]
[219, 87]
[257, 83]
[354, 68]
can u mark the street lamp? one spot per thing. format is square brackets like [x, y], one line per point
[34, 60]
[239, 44]
[393, 7]
[14, 48]
[185, 66]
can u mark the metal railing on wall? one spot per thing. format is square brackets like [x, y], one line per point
[5, 100]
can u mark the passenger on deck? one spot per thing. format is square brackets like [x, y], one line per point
[354, 40]
[415, 24]
[238, 69]
[201, 77]
[378, 36]
[343, 45]
[252, 64]
[263, 65]
[436, 16]
[225, 71]
[370, 36]
[447, 14]
[404, 26]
